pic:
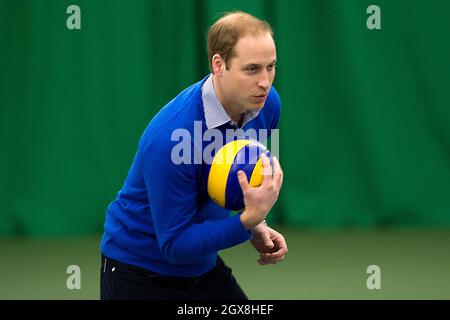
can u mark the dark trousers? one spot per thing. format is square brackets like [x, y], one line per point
[121, 281]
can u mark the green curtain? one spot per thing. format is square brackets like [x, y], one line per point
[365, 127]
[366, 119]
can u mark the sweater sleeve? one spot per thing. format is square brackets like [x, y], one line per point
[173, 193]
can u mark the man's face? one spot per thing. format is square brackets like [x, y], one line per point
[250, 73]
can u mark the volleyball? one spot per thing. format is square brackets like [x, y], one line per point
[223, 184]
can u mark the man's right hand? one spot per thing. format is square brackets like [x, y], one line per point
[258, 201]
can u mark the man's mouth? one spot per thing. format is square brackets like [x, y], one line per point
[261, 96]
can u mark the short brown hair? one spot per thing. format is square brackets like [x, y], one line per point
[225, 33]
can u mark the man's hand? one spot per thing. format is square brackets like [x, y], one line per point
[258, 201]
[269, 243]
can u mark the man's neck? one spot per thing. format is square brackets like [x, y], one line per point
[239, 120]
[235, 115]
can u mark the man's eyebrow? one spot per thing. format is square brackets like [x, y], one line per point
[255, 65]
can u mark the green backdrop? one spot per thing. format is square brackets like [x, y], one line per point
[365, 127]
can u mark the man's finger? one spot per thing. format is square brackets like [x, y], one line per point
[266, 169]
[271, 258]
[276, 255]
[280, 184]
[264, 238]
[243, 182]
[277, 172]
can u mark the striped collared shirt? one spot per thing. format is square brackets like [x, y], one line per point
[215, 114]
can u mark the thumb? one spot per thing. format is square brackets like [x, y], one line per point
[243, 182]
[265, 238]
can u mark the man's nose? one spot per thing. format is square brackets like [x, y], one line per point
[264, 81]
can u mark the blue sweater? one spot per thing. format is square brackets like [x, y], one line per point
[162, 219]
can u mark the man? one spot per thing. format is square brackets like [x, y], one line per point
[163, 232]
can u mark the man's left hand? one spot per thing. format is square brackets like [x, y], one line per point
[269, 243]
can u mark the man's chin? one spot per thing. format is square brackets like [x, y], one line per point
[255, 106]
[259, 106]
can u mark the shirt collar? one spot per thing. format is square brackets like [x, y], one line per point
[215, 114]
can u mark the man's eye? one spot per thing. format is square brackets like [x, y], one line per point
[271, 67]
[252, 69]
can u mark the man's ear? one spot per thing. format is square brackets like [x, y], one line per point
[218, 65]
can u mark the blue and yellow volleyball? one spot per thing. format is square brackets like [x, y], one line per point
[223, 183]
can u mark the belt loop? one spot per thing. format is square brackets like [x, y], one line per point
[104, 265]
